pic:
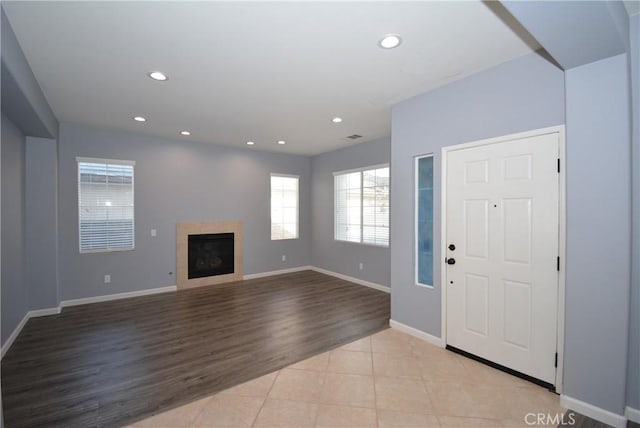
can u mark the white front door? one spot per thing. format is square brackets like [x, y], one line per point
[502, 231]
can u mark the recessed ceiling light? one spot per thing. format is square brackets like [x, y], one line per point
[336, 120]
[158, 75]
[390, 41]
[250, 143]
[139, 119]
[185, 133]
[281, 142]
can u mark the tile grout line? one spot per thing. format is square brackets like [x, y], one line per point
[193, 420]
[324, 383]
[255, 419]
[373, 375]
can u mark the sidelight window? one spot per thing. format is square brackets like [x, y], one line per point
[424, 220]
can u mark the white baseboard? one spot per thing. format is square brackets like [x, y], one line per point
[14, 334]
[632, 414]
[108, 297]
[44, 312]
[21, 324]
[352, 279]
[417, 333]
[275, 272]
[597, 413]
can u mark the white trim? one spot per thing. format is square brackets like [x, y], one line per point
[632, 414]
[562, 252]
[117, 296]
[593, 412]
[352, 279]
[443, 245]
[31, 314]
[14, 334]
[560, 130]
[104, 160]
[359, 171]
[132, 164]
[417, 333]
[275, 174]
[364, 168]
[275, 272]
[271, 206]
[44, 312]
[510, 137]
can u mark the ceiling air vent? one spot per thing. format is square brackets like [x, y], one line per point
[354, 137]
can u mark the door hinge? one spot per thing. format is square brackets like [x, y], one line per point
[558, 164]
[556, 361]
[558, 263]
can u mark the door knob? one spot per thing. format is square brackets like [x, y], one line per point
[452, 247]
[451, 261]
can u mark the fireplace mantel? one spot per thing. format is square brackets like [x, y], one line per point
[183, 230]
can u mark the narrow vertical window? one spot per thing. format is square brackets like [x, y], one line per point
[284, 207]
[348, 205]
[105, 205]
[424, 220]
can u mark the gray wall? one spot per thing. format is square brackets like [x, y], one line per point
[598, 232]
[14, 291]
[175, 181]
[521, 95]
[345, 257]
[633, 385]
[22, 99]
[41, 222]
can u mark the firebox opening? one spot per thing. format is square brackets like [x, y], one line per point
[211, 254]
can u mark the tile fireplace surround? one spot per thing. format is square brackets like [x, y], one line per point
[183, 230]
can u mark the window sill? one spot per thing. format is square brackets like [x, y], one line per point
[116, 250]
[361, 243]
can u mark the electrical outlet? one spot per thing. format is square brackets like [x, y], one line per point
[361, 266]
[154, 232]
[284, 258]
[107, 279]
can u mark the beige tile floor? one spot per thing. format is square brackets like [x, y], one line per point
[389, 379]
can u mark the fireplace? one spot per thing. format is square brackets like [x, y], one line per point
[208, 253]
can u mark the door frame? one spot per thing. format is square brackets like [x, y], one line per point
[560, 130]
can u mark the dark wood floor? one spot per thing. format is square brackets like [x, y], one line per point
[112, 363]
[576, 420]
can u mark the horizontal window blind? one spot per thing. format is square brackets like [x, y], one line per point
[105, 205]
[284, 207]
[362, 206]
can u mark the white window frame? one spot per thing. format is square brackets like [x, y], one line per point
[297, 235]
[80, 160]
[335, 198]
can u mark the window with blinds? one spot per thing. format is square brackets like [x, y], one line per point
[105, 205]
[362, 205]
[284, 207]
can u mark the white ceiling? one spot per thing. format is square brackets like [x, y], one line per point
[260, 71]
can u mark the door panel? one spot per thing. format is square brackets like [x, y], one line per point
[502, 216]
[517, 230]
[476, 225]
[476, 303]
